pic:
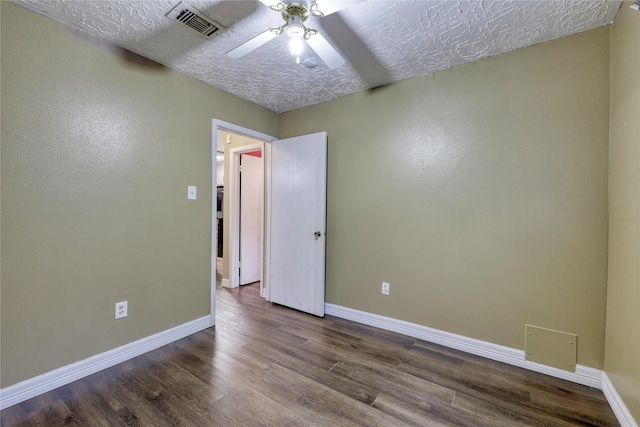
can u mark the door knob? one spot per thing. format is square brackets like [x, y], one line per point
[317, 235]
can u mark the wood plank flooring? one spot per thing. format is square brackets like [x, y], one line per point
[266, 365]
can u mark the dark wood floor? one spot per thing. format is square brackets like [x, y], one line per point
[267, 365]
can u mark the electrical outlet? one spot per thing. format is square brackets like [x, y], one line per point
[385, 288]
[121, 310]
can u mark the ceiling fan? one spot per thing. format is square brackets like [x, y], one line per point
[295, 14]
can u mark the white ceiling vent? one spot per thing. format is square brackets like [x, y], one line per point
[190, 17]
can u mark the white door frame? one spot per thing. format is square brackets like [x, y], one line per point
[266, 153]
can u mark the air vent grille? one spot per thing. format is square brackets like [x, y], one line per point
[192, 18]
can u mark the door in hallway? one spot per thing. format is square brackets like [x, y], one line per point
[251, 205]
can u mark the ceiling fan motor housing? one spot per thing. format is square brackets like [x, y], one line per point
[295, 9]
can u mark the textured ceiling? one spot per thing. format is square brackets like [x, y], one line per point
[383, 41]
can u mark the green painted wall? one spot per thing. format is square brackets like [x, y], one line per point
[97, 153]
[478, 192]
[622, 350]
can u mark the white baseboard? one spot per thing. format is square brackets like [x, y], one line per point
[33, 387]
[225, 283]
[617, 405]
[583, 375]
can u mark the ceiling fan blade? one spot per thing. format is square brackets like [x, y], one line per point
[327, 7]
[325, 51]
[252, 44]
[356, 51]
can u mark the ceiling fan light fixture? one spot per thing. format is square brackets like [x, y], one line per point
[297, 31]
[296, 45]
[295, 27]
[295, 13]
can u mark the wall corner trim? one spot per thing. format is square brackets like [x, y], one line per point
[48, 381]
[617, 405]
[583, 375]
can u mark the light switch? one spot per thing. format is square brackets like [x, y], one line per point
[191, 192]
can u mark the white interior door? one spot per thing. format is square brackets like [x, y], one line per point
[298, 217]
[251, 178]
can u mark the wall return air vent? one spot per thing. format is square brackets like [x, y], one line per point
[195, 20]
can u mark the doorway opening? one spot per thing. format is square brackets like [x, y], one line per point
[293, 216]
[230, 144]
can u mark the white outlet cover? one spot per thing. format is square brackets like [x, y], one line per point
[121, 309]
[191, 192]
[385, 288]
